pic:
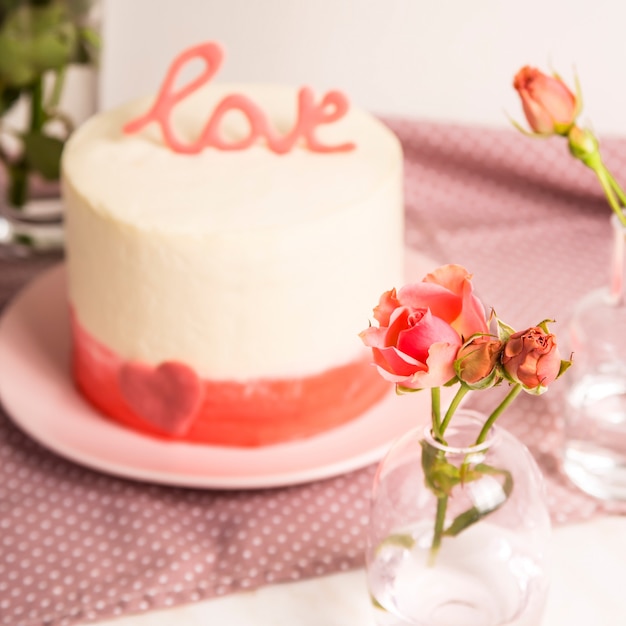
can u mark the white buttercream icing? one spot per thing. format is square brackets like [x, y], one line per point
[242, 264]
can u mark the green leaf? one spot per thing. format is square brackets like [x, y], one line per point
[565, 365]
[544, 325]
[53, 38]
[376, 604]
[440, 476]
[16, 70]
[88, 45]
[504, 330]
[35, 38]
[43, 154]
[463, 521]
[398, 540]
[474, 514]
[400, 390]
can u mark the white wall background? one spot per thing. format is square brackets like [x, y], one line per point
[448, 60]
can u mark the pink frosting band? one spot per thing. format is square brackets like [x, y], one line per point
[170, 401]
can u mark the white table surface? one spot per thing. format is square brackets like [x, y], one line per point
[588, 589]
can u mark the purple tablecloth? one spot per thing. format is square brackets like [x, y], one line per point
[77, 546]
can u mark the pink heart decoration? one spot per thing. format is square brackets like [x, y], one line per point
[167, 396]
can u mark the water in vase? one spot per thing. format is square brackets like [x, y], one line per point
[482, 577]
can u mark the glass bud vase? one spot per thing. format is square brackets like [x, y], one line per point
[458, 533]
[594, 455]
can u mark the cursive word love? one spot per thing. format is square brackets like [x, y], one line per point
[311, 115]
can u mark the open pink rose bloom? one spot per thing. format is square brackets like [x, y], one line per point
[422, 327]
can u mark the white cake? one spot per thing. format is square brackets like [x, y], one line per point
[255, 271]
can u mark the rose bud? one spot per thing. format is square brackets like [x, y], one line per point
[477, 362]
[549, 105]
[583, 145]
[532, 359]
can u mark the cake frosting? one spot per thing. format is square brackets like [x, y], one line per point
[229, 284]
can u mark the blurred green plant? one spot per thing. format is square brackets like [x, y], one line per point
[39, 39]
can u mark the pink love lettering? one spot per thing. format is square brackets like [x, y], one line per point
[168, 396]
[332, 107]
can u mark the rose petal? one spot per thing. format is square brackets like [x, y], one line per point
[417, 340]
[450, 276]
[387, 304]
[395, 362]
[442, 302]
[537, 117]
[548, 367]
[440, 370]
[473, 320]
[398, 322]
[448, 293]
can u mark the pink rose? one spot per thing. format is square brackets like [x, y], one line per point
[422, 327]
[549, 105]
[531, 357]
[448, 292]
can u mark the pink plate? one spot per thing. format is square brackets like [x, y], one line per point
[37, 391]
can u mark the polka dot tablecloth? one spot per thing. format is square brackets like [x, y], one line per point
[77, 546]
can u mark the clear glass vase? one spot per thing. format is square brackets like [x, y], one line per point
[458, 533]
[594, 455]
[34, 227]
[48, 80]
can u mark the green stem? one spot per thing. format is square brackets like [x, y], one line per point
[460, 394]
[616, 187]
[498, 411]
[57, 90]
[19, 170]
[440, 518]
[17, 192]
[606, 180]
[585, 147]
[37, 114]
[435, 409]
